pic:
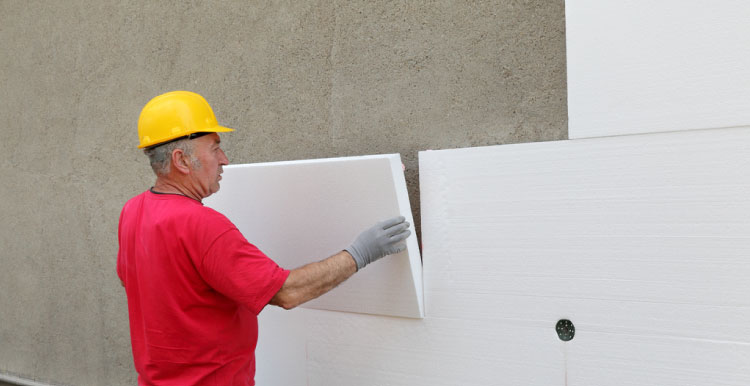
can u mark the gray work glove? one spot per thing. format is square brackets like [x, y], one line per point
[384, 238]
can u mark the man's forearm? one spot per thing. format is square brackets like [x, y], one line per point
[314, 279]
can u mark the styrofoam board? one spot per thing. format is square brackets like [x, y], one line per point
[309, 347]
[639, 67]
[641, 241]
[298, 212]
[281, 353]
[636, 360]
[430, 352]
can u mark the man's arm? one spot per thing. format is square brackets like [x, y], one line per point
[314, 279]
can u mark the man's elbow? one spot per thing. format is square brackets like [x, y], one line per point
[287, 305]
[285, 300]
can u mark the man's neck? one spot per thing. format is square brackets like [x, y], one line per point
[165, 185]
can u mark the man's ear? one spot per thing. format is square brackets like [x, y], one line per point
[180, 161]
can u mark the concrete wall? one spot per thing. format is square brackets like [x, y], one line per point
[297, 79]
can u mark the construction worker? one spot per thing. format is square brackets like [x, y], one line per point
[194, 284]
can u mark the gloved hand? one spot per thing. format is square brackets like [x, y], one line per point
[382, 239]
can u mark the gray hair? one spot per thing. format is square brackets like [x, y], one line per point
[160, 156]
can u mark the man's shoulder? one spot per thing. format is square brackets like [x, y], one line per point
[173, 205]
[211, 214]
[134, 201]
[204, 224]
[175, 214]
[201, 215]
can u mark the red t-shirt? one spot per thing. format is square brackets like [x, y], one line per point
[195, 287]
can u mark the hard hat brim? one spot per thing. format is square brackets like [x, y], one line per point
[215, 129]
[219, 129]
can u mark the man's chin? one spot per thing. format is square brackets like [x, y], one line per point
[212, 190]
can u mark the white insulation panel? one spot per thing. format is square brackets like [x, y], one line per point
[654, 66]
[307, 347]
[642, 241]
[298, 212]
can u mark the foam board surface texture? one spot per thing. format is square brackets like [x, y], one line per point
[641, 241]
[638, 67]
[298, 212]
[325, 348]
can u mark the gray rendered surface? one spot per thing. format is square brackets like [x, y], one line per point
[297, 80]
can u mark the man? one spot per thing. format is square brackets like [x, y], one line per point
[194, 284]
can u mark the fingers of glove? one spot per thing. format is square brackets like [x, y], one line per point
[396, 229]
[396, 248]
[391, 222]
[399, 236]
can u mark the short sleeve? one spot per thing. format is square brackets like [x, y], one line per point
[120, 268]
[120, 262]
[240, 271]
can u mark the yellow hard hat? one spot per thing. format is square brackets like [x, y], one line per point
[174, 115]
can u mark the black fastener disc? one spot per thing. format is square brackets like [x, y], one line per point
[565, 330]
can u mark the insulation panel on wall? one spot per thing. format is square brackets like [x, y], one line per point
[308, 347]
[641, 241]
[298, 212]
[639, 67]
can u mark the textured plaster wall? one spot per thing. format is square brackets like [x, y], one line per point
[298, 79]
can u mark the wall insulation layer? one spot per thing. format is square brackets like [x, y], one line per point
[640, 67]
[641, 241]
[298, 212]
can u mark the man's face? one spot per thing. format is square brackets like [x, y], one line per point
[210, 159]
